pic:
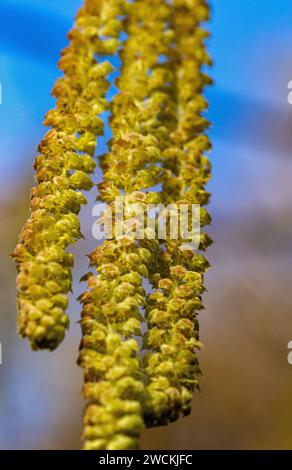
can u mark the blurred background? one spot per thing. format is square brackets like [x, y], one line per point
[247, 383]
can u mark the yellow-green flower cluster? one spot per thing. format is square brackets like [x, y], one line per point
[156, 155]
[173, 330]
[111, 313]
[143, 113]
[62, 167]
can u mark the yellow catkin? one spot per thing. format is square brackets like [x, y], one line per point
[62, 167]
[171, 366]
[156, 155]
[111, 316]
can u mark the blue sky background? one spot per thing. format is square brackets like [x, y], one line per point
[251, 45]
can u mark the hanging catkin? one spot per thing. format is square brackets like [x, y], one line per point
[111, 316]
[156, 156]
[62, 167]
[173, 331]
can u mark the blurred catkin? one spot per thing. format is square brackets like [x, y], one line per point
[62, 167]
